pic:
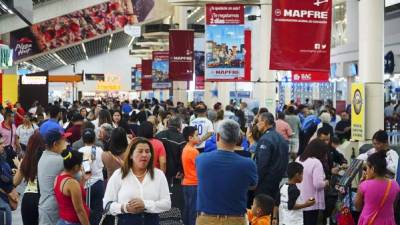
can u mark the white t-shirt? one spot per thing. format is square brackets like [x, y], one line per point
[25, 133]
[96, 165]
[392, 159]
[203, 126]
[286, 216]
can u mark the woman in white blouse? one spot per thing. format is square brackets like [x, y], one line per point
[138, 191]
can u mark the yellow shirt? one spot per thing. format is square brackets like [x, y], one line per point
[263, 220]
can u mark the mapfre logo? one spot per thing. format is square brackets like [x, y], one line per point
[320, 2]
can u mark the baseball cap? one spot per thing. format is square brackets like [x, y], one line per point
[54, 135]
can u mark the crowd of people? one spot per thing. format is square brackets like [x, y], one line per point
[101, 162]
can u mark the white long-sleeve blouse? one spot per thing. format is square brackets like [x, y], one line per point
[154, 192]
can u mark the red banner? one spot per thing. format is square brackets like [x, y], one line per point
[301, 35]
[309, 76]
[199, 70]
[147, 75]
[181, 45]
[224, 14]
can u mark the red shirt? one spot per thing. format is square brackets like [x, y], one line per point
[159, 151]
[65, 205]
[75, 131]
[19, 119]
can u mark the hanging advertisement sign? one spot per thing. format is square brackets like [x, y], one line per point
[147, 75]
[138, 77]
[181, 45]
[309, 76]
[226, 48]
[199, 70]
[301, 35]
[133, 78]
[160, 70]
[78, 26]
[358, 112]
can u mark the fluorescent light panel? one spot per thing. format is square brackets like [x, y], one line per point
[193, 12]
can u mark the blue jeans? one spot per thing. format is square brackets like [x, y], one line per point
[142, 218]
[94, 199]
[5, 213]
[189, 212]
[63, 222]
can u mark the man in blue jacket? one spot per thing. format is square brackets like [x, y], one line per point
[272, 157]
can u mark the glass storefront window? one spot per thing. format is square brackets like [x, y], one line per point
[339, 24]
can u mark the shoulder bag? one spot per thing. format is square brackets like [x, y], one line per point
[385, 196]
[106, 218]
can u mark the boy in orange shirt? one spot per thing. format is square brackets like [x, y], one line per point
[261, 210]
[190, 181]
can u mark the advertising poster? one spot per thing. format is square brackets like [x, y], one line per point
[78, 26]
[309, 76]
[181, 46]
[147, 75]
[358, 112]
[160, 70]
[301, 35]
[133, 78]
[138, 77]
[199, 67]
[226, 43]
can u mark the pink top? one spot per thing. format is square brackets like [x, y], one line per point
[313, 184]
[159, 151]
[6, 133]
[373, 191]
[283, 128]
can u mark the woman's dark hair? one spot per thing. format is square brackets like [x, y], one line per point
[317, 149]
[262, 110]
[8, 113]
[146, 130]
[290, 110]
[220, 115]
[378, 162]
[133, 117]
[116, 111]
[128, 162]
[71, 159]
[104, 117]
[34, 150]
[255, 133]
[381, 136]
[118, 142]
[88, 136]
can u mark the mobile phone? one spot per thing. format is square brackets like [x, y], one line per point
[86, 166]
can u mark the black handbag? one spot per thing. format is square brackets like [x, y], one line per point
[106, 218]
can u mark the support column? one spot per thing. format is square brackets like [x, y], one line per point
[265, 90]
[180, 87]
[371, 62]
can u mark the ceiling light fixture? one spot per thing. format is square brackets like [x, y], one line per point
[60, 59]
[131, 42]
[194, 12]
[5, 7]
[200, 19]
[109, 43]
[84, 50]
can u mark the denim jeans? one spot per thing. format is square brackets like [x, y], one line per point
[63, 222]
[142, 219]
[95, 194]
[5, 213]
[189, 212]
